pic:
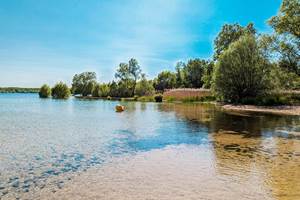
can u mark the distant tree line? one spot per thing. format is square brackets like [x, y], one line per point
[18, 90]
[245, 65]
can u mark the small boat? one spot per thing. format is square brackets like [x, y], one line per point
[120, 108]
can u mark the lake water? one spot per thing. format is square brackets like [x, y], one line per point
[50, 148]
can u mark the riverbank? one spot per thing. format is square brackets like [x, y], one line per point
[278, 110]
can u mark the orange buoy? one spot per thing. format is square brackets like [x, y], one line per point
[120, 108]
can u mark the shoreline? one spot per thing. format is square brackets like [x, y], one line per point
[277, 110]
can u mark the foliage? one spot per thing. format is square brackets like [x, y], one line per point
[229, 34]
[146, 98]
[61, 91]
[113, 89]
[165, 80]
[158, 98]
[128, 75]
[101, 90]
[180, 75]
[194, 71]
[144, 87]
[45, 91]
[18, 90]
[83, 83]
[288, 19]
[207, 76]
[285, 42]
[242, 71]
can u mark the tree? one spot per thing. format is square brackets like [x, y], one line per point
[288, 19]
[194, 70]
[180, 76]
[83, 83]
[128, 74]
[101, 90]
[207, 76]
[229, 34]
[144, 87]
[242, 71]
[165, 80]
[45, 91]
[285, 42]
[61, 91]
[113, 89]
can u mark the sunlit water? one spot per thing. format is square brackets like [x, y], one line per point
[45, 144]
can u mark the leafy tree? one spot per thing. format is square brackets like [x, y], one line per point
[242, 71]
[207, 76]
[61, 91]
[128, 74]
[83, 83]
[288, 19]
[165, 80]
[144, 87]
[45, 91]
[101, 90]
[194, 70]
[229, 34]
[285, 43]
[113, 89]
[180, 76]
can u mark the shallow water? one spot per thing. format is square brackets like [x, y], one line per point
[48, 148]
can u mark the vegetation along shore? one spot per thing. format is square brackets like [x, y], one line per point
[247, 68]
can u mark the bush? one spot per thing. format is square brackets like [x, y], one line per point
[45, 91]
[242, 72]
[144, 87]
[158, 98]
[96, 91]
[61, 91]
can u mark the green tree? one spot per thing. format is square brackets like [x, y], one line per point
[101, 90]
[128, 74]
[194, 71]
[242, 71]
[288, 19]
[165, 80]
[180, 76]
[285, 43]
[144, 87]
[229, 34]
[83, 83]
[113, 89]
[45, 91]
[61, 91]
[207, 76]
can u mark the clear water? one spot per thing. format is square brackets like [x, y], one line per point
[43, 142]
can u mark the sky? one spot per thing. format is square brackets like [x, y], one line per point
[51, 40]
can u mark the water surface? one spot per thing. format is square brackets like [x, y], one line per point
[45, 144]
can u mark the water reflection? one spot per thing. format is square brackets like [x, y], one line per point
[251, 146]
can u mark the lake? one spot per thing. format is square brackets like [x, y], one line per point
[83, 149]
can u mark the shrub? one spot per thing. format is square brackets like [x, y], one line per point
[45, 91]
[61, 91]
[144, 87]
[158, 98]
[242, 71]
[96, 91]
[146, 99]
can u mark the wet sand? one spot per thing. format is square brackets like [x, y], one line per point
[279, 110]
[245, 170]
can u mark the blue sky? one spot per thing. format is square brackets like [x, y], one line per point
[51, 40]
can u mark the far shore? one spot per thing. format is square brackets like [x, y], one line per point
[278, 110]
